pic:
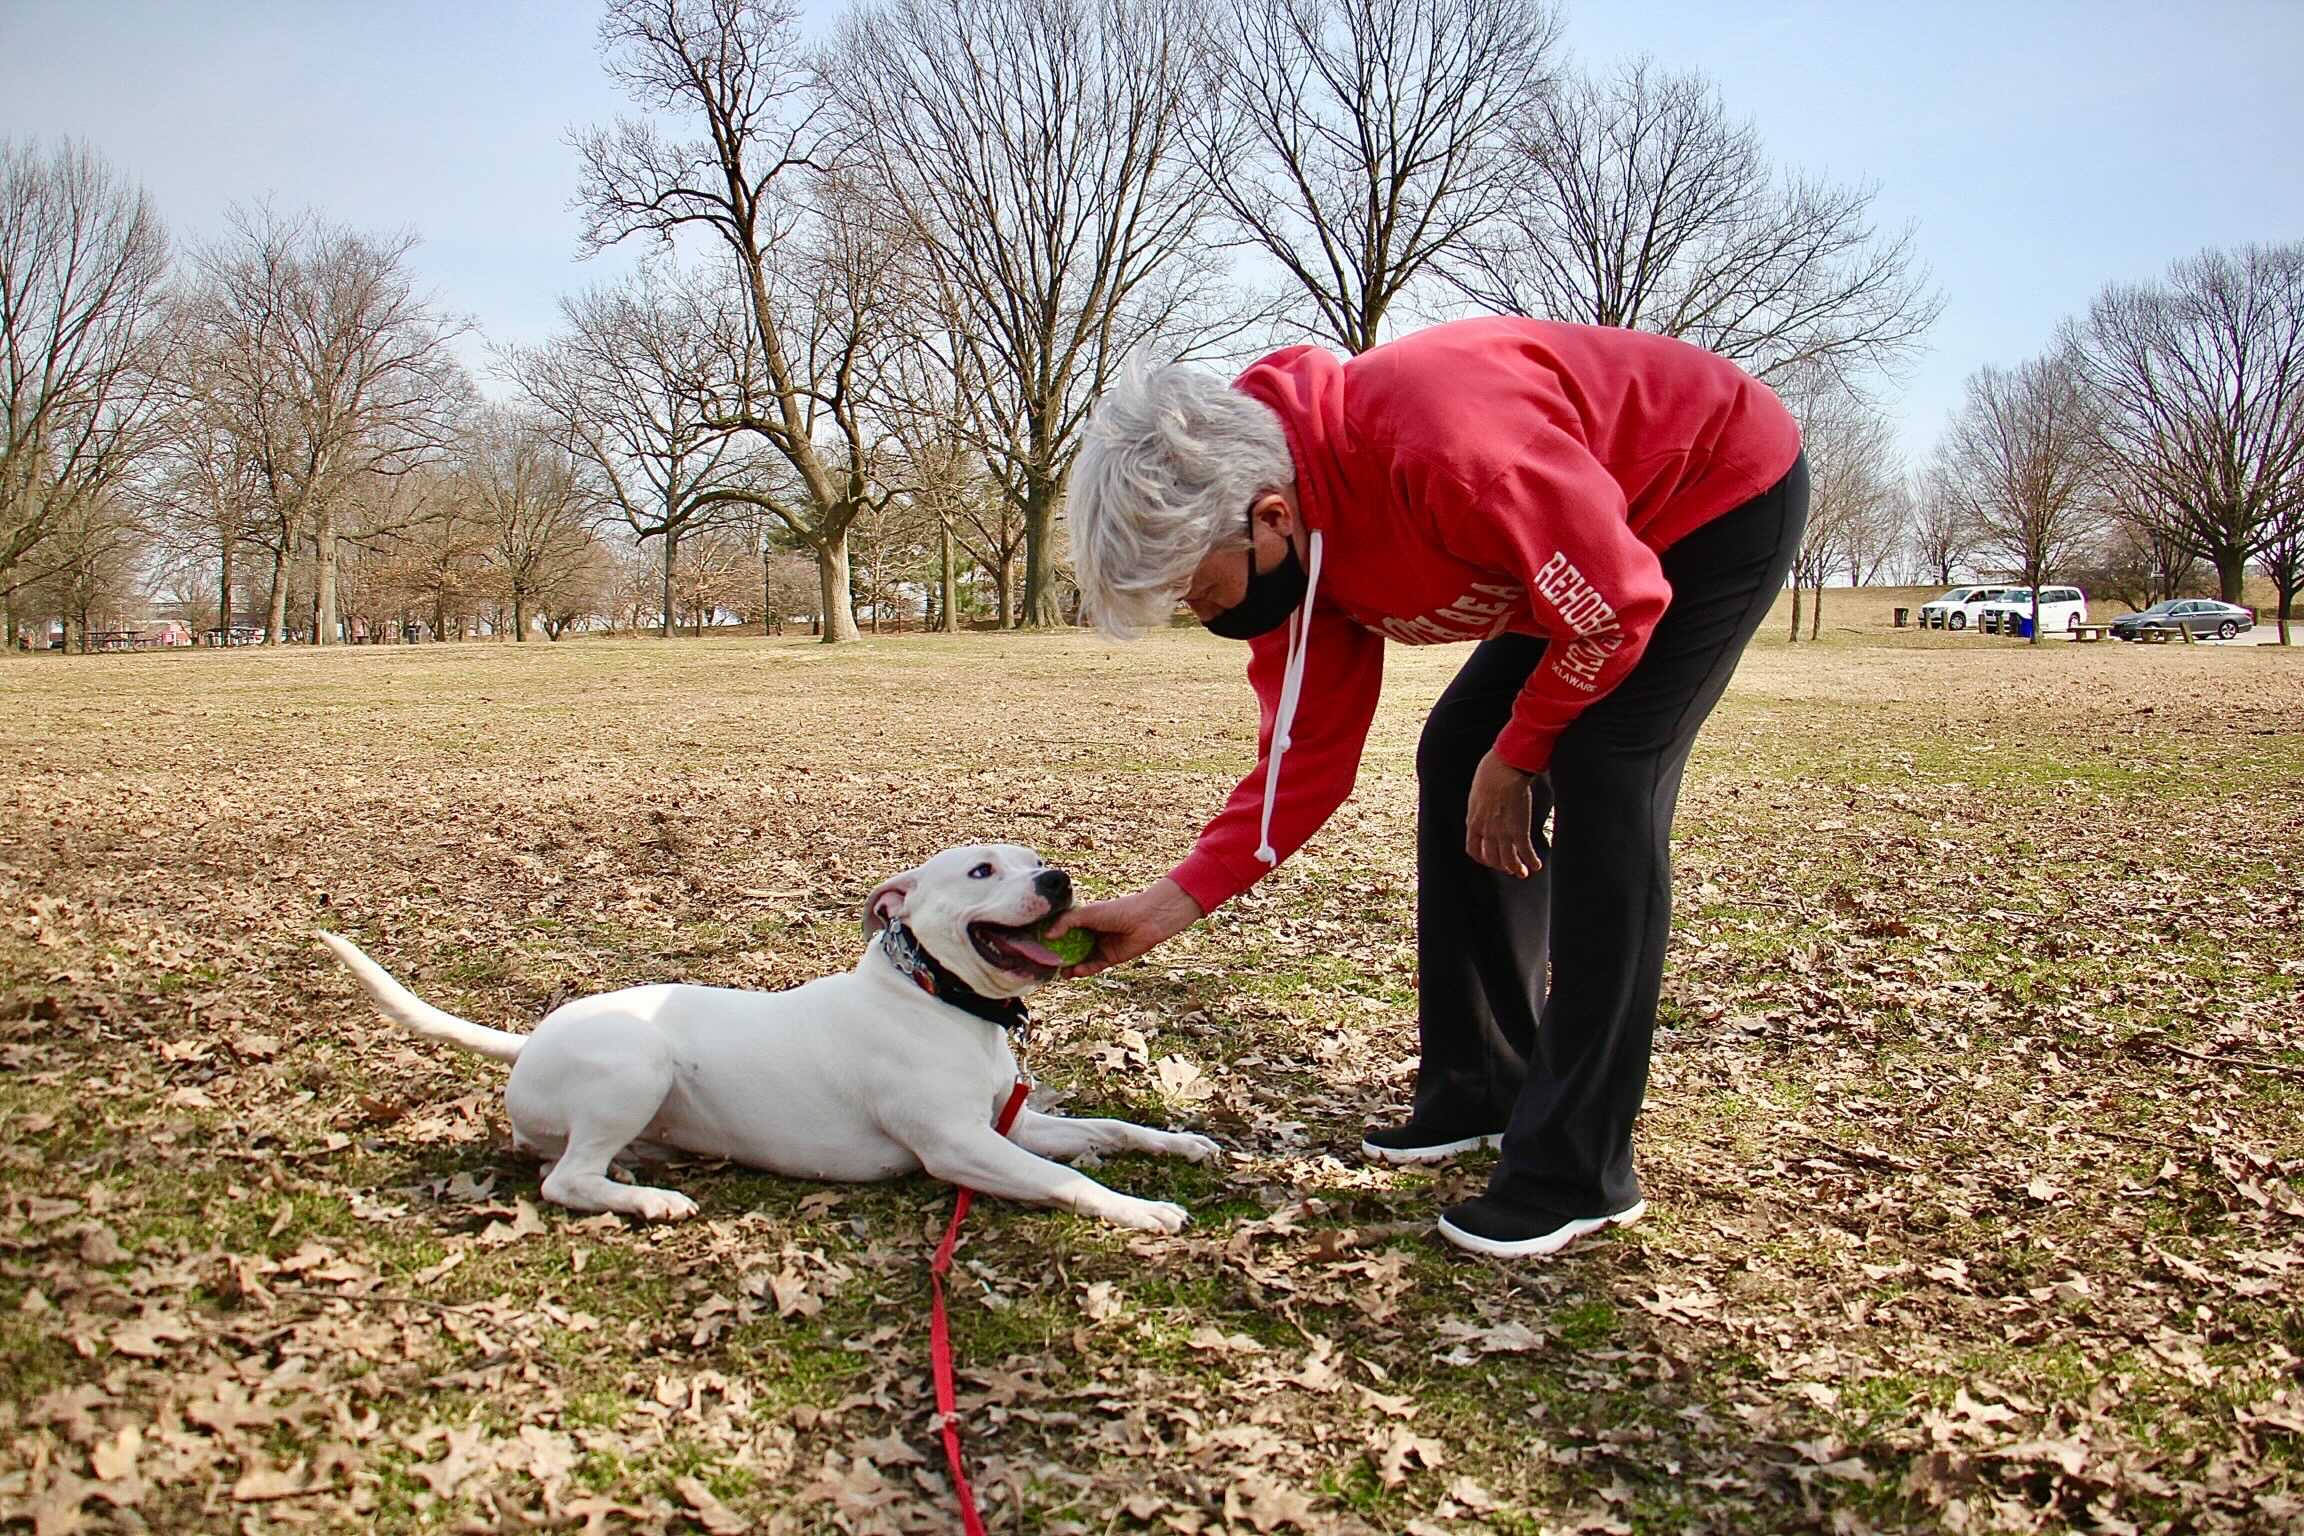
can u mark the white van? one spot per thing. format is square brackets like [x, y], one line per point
[2061, 608]
[1958, 608]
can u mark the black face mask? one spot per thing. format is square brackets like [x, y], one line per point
[1271, 596]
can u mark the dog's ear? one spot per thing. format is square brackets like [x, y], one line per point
[888, 902]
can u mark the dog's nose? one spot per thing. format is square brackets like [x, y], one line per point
[1055, 885]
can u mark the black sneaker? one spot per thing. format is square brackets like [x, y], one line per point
[1505, 1232]
[1426, 1141]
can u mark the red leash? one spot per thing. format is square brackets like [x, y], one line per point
[940, 1333]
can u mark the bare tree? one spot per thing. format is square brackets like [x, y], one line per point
[895, 544]
[1944, 535]
[2145, 553]
[436, 563]
[716, 576]
[212, 494]
[581, 589]
[1360, 143]
[316, 351]
[752, 184]
[1642, 204]
[90, 569]
[2203, 380]
[521, 483]
[634, 590]
[838, 297]
[2281, 554]
[2024, 457]
[1856, 487]
[1875, 551]
[787, 589]
[1035, 150]
[82, 258]
[622, 385]
[945, 477]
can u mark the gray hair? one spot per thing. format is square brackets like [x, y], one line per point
[1171, 458]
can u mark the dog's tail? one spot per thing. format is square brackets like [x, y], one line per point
[411, 1012]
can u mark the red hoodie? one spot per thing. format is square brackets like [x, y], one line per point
[1489, 475]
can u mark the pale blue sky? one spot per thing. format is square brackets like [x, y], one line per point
[2042, 147]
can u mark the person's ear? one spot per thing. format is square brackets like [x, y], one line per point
[1272, 510]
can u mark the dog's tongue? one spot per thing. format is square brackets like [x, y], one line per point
[1027, 944]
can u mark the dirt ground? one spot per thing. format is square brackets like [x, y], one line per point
[1974, 1145]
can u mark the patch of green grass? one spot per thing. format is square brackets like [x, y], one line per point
[1169, 1304]
[169, 983]
[1873, 1401]
[594, 1408]
[34, 1357]
[1587, 1324]
[1357, 1486]
[1283, 976]
[2060, 1369]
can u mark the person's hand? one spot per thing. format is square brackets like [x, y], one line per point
[1127, 926]
[1496, 817]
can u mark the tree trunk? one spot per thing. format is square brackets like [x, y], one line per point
[276, 610]
[1816, 616]
[2231, 573]
[1040, 609]
[324, 578]
[767, 594]
[832, 597]
[1003, 579]
[951, 583]
[671, 551]
[519, 615]
[1795, 610]
[224, 597]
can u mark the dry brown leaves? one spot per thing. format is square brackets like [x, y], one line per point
[1973, 1138]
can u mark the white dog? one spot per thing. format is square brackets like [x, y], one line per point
[902, 1063]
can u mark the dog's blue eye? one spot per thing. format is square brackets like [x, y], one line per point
[981, 872]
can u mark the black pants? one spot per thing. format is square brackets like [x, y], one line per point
[1563, 1068]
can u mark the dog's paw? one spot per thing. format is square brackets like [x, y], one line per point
[662, 1205]
[1152, 1216]
[1194, 1149]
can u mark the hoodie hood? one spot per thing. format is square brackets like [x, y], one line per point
[1305, 387]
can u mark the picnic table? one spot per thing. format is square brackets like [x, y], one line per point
[2091, 633]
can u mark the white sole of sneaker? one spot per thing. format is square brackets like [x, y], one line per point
[1536, 1247]
[1412, 1157]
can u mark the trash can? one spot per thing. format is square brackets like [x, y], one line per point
[1903, 617]
[2023, 626]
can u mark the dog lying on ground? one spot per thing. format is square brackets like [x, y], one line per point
[902, 1063]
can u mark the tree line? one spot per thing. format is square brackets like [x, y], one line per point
[2154, 449]
[889, 269]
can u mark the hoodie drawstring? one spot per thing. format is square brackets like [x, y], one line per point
[1291, 689]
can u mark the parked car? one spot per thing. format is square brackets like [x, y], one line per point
[1958, 608]
[2201, 615]
[2061, 609]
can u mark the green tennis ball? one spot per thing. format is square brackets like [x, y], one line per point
[1072, 947]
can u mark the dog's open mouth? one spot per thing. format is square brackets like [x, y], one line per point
[1016, 950]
